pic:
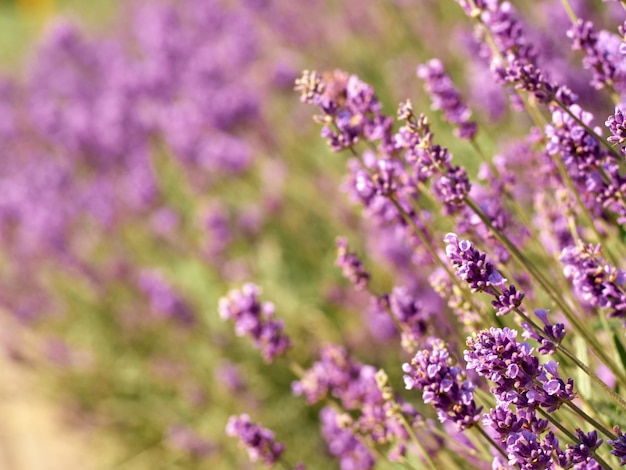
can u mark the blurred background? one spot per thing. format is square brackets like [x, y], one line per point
[155, 156]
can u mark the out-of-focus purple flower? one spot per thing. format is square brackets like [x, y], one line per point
[163, 300]
[255, 319]
[447, 98]
[597, 59]
[185, 439]
[350, 109]
[258, 441]
[343, 444]
[442, 385]
[338, 375]
[595, 281]
[351, 265]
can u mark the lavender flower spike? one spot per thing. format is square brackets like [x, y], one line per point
[615, 124]
[471, 265]
[255, 319]
[447, 98]
[443, 386]
[259, 441]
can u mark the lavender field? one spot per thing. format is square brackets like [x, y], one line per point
[348, 235]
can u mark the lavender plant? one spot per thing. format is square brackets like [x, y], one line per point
[152, 170]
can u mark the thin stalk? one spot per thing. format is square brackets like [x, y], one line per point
[489, 439]
[600, 427]
[570, 11]
[429, 462]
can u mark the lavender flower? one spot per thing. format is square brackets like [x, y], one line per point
[446, 97]
[595, 281]
[442, 385]
[596, 59]
[351, 265]
[554, 333]
[619, 446]
[515, 371]
[258, 441]
[471, 265]
[342, 443]
[163, 300]
[255, 319]
[615, 124]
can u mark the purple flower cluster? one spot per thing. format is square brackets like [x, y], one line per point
[337, 375]
[351, 265]
[615, 123]
[515, 371]
[473, 267]
[255, 319]
[442, 385]
[163, 300]
[259, 441]
[343, 444]
[447, 98]
[597, 57]
[350, 109]
[521, 382]
[551, 335]
[595, 281]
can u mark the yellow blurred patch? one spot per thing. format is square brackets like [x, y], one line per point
[36, 9]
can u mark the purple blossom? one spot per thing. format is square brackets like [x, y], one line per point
[442, 385]
[595, 281]
[597, 59]
[258, 441]
[472, 266]
[615, 124]
[351, 265]
[343, 444]
[619, 445]
[255, 319]
[350, 109]
[447, 98]
[187, 440]
[163, 300]
[517, 375]
[554, 333]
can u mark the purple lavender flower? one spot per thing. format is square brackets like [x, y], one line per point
[471, 265]
[442, 385]
[554, 333]
[597, 59]
[163, 300]
[258, 441]
[255, 319]
[526, 450]
[595, 281]
[351, 265]
[187, 440]
[619, 445]
[447, 98]
[343, 444]
[515, 371]
[616, 125]
[350, 109]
